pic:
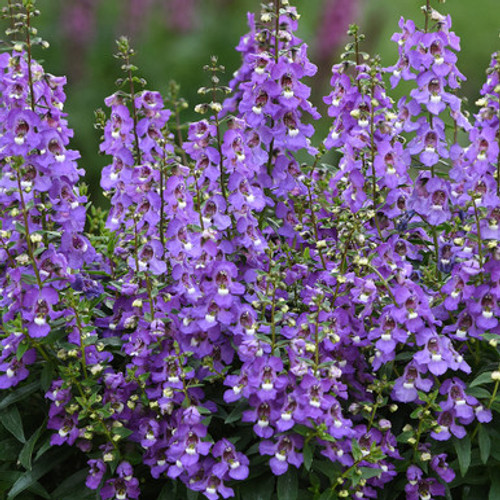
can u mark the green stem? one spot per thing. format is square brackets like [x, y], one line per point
[28, 53]
[150, 297]
[82, 341]
[349, 469]
[37, 346]
[221, 156]
[427, 10]
[479, 240]
[273, 324]
[494, 395]
[387, 287]
[27, 230]
[372, 149]
[436, 252]
[136, 246]
[179, 133]
[162, 203]
[12, 22]
[316, 344]
[315, 229]
[134, 110]
[96, 417]
[276, 29]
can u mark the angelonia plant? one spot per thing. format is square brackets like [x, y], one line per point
[261, 313]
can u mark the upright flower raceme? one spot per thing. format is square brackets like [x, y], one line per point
[38, 193]
[311, 307]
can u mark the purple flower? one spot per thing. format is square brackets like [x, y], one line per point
[124, 486]
[97, 468]
[405, 387]
[66, 427]
[215, 486]
[447, 426]
[284, 451]
[440, 465]
[233, 464]
[15, 369]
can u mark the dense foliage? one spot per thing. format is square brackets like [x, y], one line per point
[247, 320]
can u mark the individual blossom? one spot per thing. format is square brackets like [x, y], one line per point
[284, 451]
[122, 487]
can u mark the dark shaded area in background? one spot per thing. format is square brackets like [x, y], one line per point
[175, 38]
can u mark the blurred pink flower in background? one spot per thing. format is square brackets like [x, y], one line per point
[181, 14]
[79, 20]
[336, 15]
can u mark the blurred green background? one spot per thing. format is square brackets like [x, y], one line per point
[175, 38]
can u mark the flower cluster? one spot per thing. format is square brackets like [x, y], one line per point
[238, 310]
[42, 210]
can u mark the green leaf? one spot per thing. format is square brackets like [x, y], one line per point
[356, 451]
[328, 468]
[308, 455]
[495, 486]
[9, 450]
[484, 443]
[41, 491]
[29, 279]
[27, 452]
[463, 449]
[479, 392]
[46, 376]
[29, 478]
[235, 415]
[122, 432]
[19, 394]
[23, 347]
[168, 491]
[302, 430]
[261, 488]
[369, 472]
[191, 495]
[484, 378]
[44, 448]
[288, 485]
[11, 420]
[75, 482]
[326, 495]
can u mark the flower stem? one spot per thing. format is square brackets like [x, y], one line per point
[28, 53]
[27, 230]
[277, 5]
[315, 228]
[134, 110]
[479, 240]
[427, 10]
[82, 341]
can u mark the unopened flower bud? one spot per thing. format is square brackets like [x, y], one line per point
[95, 369]
[216, 106]
[36, 238]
